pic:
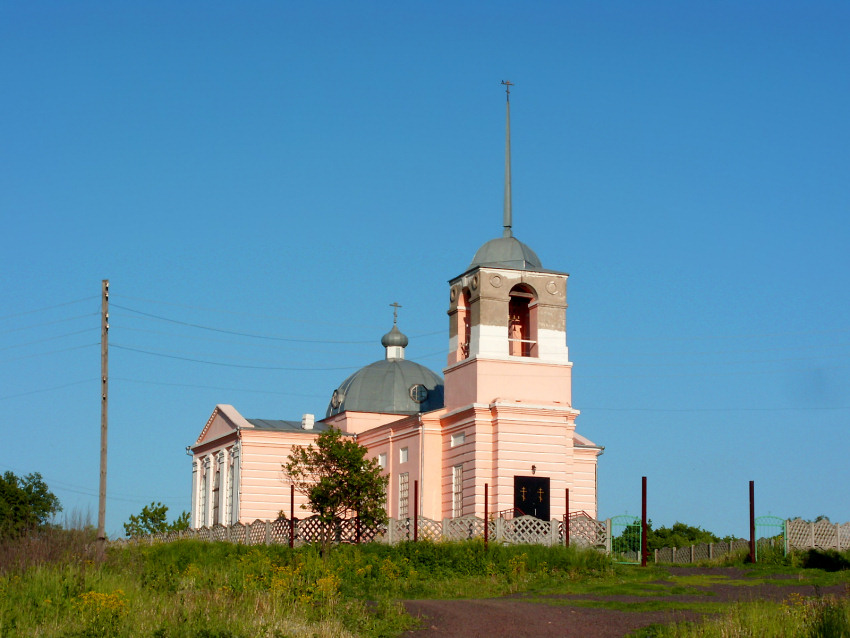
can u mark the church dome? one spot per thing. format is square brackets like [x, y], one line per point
[506, 252]
[391, 386]
[394, 338]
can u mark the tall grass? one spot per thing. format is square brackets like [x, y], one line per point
[797, 617]
[197, 589]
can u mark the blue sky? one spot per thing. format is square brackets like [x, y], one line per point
[287, 170]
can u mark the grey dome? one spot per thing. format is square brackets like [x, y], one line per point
[385, 386]
[394, 337]
[506, 252]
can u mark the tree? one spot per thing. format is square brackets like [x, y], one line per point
[153, 520]
[338, 480]
[25, 504]
[680, 535]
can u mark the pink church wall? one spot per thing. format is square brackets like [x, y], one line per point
[519, 379]
[357, 422]
[264, 490]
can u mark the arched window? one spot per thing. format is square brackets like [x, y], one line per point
[522, 322]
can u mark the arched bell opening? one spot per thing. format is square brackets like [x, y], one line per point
[522, 322]
[464, 327]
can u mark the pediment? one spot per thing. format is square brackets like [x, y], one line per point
[224, 420]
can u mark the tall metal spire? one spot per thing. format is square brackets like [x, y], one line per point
[507, 216]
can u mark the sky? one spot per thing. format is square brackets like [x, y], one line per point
[259, 181]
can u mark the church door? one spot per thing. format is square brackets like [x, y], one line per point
[531, 496]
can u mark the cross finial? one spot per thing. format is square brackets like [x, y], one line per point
[395, 306]
[507, 84]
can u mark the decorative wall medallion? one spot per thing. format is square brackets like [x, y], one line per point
[495, 281]
[453, 293]
[474, 283]
[418, 392]
[552, 287]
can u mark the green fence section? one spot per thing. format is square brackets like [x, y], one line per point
[626, 536]
[771, 533]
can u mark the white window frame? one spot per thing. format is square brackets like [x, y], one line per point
[402, 455]
[404, 495]
[457, 490]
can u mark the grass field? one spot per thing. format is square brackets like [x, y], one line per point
[54, 586]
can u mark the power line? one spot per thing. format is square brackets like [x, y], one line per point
[56, 387]
[42, 354]
[30, 343]
[707, 337]
[311, 321]
[584, 408]
[228, 365]
[59, 305]
[49, 323]
[213, 387]
[234, 332]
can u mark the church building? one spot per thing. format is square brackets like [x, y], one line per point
[502, 415]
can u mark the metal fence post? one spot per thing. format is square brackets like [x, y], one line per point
[609, 541]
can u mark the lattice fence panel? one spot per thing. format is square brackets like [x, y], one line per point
[465, 528]
[826, 535]
[430, 529]
[218, 533]
[256, 533]
[844, 536]
[310, 530]
[372, 533]
[586, 531]
[279, 530]
[527, 529]
[237, 533]
[204, 534]
[664, 555]
[403, 530]
[799, 534]
[701, 552]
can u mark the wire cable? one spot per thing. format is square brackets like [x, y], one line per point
[213, 387]
[42, 354]
[59, 305]
[228, 365]
[235, 332]
[49, 323]
[30, 343]
[56, 387]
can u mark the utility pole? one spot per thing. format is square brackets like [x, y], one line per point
[104, 404]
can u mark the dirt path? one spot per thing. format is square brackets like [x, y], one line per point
[513, 616]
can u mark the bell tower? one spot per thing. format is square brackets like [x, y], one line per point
[507, 322]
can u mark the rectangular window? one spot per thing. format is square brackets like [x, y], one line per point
[228, 494]
[205, 486]
[402, 455]
[457, 491]
[216, 497]
[458, 439]
[403, 495]
[382, 459]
